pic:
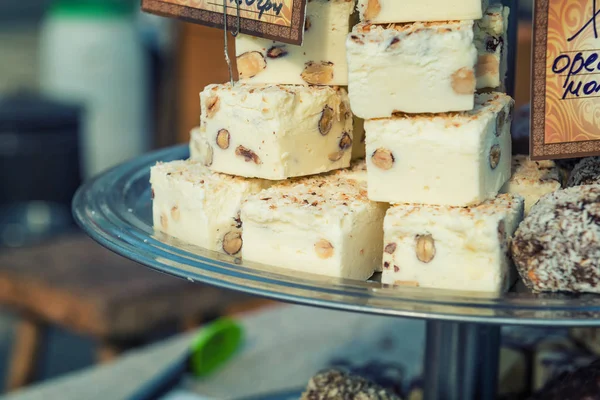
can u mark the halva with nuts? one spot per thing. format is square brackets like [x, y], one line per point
[412, 68]
[321, 60]
[323, 225]
[454, 159]
[451, 247]
[200, 207]
[276, 131]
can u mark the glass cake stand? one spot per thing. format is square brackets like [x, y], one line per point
[463, 329]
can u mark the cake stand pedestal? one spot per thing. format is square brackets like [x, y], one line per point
[461, 361]
[463, 328]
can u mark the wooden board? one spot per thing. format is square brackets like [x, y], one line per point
[78, 284]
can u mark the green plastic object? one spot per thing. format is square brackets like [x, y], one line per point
[214, 345]
[96, 9]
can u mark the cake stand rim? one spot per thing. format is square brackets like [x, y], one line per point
[94, 199]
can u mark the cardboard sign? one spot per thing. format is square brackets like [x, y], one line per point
[281, 20]
[565, 117]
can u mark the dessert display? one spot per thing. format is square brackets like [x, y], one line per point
[327, 164]
[321, 60]
[324, 225]
[557, 247]
[471, 148]
[380, 150]
[585, 172]
[199, 206]
[451, 247]
[276, 131]
[532, 179]
[411, 176]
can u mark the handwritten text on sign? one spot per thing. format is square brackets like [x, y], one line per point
[566, 79]
[281, 20]
[580, 63]
[274, 12]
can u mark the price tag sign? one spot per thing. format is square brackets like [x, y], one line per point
[281, 20]
[565, 118]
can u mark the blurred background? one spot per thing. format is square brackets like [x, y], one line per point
[85, 85]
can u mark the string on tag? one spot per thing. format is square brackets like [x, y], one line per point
[234, 34]
[237, 28]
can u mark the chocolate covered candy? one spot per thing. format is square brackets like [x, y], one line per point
[557, 247]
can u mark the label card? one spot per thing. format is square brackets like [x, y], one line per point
[565, 116]
[281, 20]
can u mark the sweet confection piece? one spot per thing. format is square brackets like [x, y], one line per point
[358, 144]
[412, 68]
[200, 207]
[336, 385]
[321, 60]
[564, 372]
[557, 247]
[276, 132]
[388, 11]
[491, 43]
[420, 158]
[200, 150]
[451, 247]
[323, 225]
[585, 172]
[532, 179]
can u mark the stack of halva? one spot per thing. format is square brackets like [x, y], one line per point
[280, 171]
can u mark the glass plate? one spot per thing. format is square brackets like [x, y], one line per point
[115, 210]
